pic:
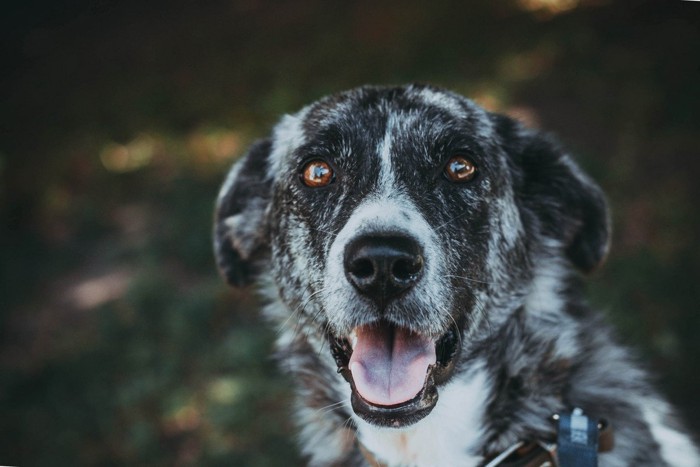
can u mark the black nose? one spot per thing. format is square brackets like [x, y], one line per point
[382, 267]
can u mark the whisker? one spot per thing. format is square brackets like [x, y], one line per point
[299, 309]
[331, 407]
[319, 229]
[349, 434]
[467, 279]
[323, 341]
[466, 211]
[459, 331]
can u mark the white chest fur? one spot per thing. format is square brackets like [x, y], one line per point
[445, 437]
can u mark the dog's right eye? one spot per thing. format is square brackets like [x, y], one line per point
[317, 174]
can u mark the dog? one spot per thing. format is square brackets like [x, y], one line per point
[423, 259]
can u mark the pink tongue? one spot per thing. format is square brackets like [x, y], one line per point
[389, 364]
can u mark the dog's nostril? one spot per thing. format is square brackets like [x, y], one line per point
[406, 269]
[362, 269]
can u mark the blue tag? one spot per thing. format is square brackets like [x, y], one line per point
[577, 443]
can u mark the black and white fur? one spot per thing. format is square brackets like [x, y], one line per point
[503, 258]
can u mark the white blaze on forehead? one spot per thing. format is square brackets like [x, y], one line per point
[386, 172]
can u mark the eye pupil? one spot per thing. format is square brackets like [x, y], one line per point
[317, 174]
[460, 169]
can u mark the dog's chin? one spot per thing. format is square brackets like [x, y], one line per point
[375, 398]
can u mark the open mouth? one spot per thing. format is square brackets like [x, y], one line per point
[393, 371]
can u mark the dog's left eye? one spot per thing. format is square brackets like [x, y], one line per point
[317, 174]
[460, 169]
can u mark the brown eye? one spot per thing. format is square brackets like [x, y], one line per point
[460, 169]
[316, 174]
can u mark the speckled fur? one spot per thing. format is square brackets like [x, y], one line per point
[504, 255]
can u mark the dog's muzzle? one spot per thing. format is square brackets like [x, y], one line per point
[393, 370]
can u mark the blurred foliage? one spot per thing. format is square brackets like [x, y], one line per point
[118, 120]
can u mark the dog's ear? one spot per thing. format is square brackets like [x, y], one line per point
[240, 227]
[555, 193]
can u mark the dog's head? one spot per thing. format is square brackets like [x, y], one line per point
[397, 221]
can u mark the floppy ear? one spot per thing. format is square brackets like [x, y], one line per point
[555, 193]
[240, 227]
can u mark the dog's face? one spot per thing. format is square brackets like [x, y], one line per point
[396, 222]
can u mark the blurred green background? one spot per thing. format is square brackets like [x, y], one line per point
[118, 120]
